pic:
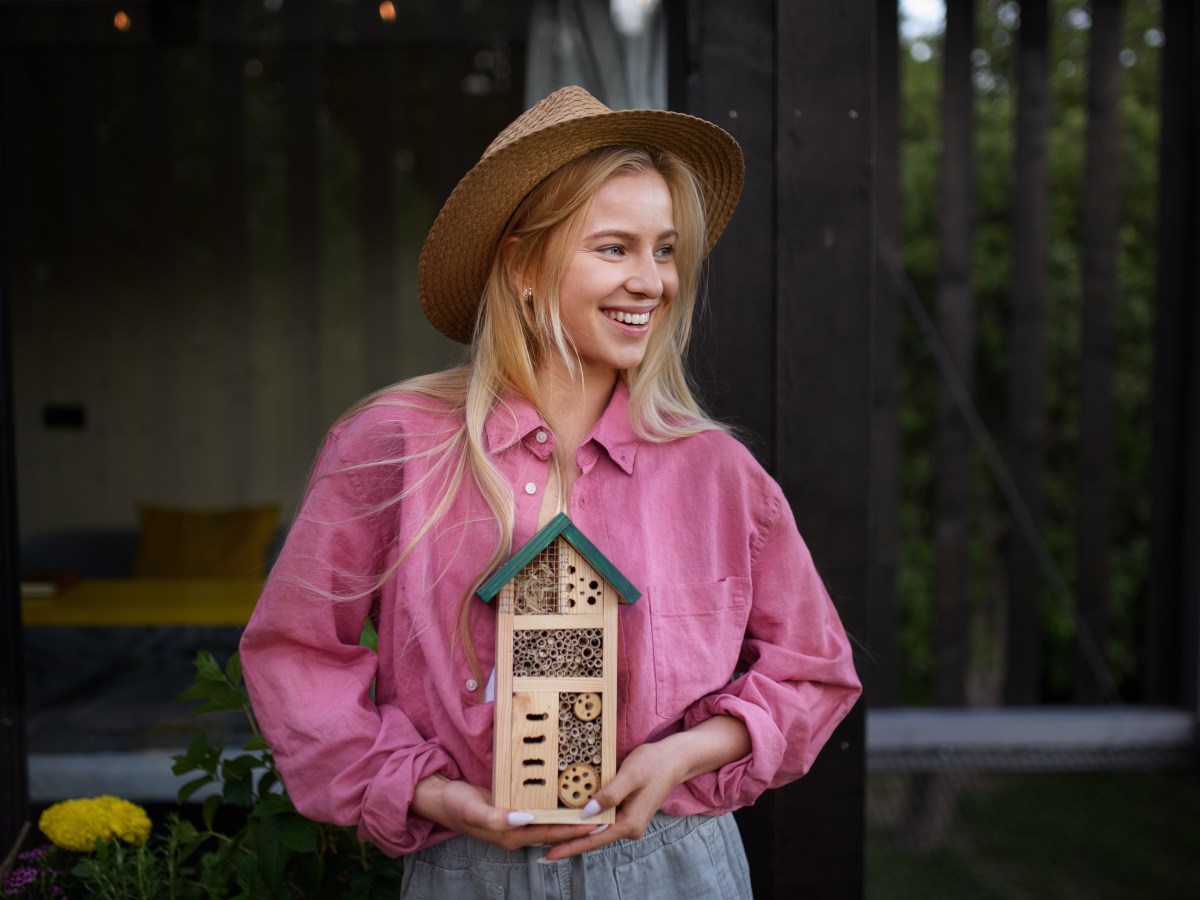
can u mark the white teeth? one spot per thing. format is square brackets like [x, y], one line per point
[628, 318]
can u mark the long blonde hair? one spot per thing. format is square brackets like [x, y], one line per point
[513, 337]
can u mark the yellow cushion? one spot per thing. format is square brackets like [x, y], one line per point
[189, 543]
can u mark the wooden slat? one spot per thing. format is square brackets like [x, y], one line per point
[556, 623]
[534, 734]
[1171, 653]
[608, 696]
[956, 322]
[1027, 381]
[565, 685]
[502, 720]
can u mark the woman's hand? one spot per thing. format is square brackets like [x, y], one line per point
[468, 810]
[649, 773]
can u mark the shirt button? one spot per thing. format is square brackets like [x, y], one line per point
[472, 684]
[531, 488]
[541, 437]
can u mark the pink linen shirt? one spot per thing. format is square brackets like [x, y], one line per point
[728, 588]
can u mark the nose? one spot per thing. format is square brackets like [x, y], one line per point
[646, 279]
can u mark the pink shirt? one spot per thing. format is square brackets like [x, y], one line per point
[727, 585]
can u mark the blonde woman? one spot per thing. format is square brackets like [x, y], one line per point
[568, 259]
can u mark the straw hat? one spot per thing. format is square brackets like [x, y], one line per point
[564, 126]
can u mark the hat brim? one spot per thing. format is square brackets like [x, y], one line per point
[460, 247]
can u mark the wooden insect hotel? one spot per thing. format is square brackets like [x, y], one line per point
[556, 674]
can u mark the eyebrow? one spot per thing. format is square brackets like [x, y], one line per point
[628, 236]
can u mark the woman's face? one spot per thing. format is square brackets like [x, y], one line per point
[621, 273]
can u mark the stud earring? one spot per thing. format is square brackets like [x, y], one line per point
[527, 294]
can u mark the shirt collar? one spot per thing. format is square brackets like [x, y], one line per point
[614, 432]
[514, 419]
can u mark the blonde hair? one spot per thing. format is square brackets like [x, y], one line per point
[512, 338]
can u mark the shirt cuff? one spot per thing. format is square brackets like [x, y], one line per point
[740, 782]
[387, 820]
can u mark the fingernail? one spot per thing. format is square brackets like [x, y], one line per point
[590, 810]
[598, 829]
[519, 818]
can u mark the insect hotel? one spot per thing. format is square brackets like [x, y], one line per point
[556, 674]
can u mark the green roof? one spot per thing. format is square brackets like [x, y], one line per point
[559, 526]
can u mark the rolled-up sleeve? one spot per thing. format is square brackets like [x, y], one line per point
[344, 758]
[796, 678]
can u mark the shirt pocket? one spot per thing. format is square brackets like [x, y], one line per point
[697, 637]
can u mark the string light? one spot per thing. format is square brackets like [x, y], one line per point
[387, 11]
[121, 21]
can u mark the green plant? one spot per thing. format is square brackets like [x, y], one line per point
[244, 841]
[276, 852]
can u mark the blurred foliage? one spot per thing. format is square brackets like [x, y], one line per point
[995, 89]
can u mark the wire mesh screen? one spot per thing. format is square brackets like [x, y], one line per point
[1094, 822]
[538, 588]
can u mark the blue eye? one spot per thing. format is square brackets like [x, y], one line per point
[665, 252]
[614, 250]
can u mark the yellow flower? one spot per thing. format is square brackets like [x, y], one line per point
[75, 824]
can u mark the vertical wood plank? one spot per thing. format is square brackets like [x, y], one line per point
[883, 674]
[608, 696]
[1170, 670]
[1027, 386]
[503, 716]
[230, 235]
[14, 778]
[376, 146]
[1101, 215]
[956, 321]
[723, 60]
[825, 279]
[302, 93]
[728, 78]
[533, 772]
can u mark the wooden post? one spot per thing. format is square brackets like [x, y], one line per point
[1173, 626]
[1027, 391]
[956, 321]
[788, 353]
[883, 673]
[825, 278]
[14, 777]
[1101, 214]
[302, 142]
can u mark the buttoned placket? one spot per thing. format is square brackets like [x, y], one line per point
[530, 481]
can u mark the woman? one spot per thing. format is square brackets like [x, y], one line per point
[568, 259]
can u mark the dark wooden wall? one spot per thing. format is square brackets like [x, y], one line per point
[1173, 640]
[14, 780]
[788, 353]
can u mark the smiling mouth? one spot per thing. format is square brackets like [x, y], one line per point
[627, 318]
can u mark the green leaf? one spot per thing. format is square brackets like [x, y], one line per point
[239, 791]
[272, 854]
[240, 766]
[186, 791]
[269, 779]
[206, 667]
[274, 805]
[209, 810]
[233, 669]
[299, 834]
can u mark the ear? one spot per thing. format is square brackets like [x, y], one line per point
[508, 259]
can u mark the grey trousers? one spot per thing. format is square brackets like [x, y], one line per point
[689, 858]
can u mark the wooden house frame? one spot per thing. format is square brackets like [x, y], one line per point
[556, 674]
